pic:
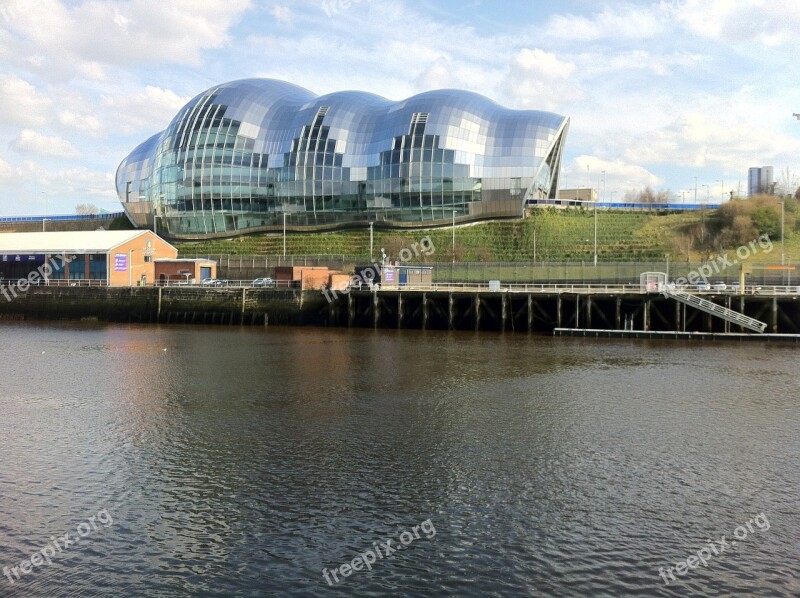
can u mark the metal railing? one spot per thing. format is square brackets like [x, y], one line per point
[616, 272]
[55, 282]
[63, 217]
[571, 288]
[717, 310]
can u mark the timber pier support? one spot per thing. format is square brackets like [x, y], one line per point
[546, 311]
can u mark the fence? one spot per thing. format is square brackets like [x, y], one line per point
[239, 267]
[63, 217]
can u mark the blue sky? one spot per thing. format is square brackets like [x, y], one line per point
[658, 93]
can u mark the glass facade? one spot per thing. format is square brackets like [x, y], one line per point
[253, 154]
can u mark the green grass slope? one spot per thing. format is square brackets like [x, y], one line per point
[560, 235]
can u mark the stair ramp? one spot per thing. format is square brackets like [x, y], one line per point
[712, 308]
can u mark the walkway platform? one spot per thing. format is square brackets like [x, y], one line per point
[681, 336]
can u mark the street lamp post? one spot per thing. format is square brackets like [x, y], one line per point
[595, 233]
[370, 241]
[534, 245]
[783, 253]
[46, 210]
[284, 234]
[604, 186]
[454, 237]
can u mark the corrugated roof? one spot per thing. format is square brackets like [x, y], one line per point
[98, 241]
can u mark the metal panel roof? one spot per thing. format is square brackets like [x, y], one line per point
[78, 242]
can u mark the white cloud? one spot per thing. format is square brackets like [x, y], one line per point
[83, 182]
[21, 103]
[654, 89]
[70, 39]
[623, 20]
[437, 75]
[770, 24]
[7, 172]
[148, 111]
[282, 14]
[618, 175]
[638, 62]
[84, 123]
[725, 133]
[32, 142]
[540, 80]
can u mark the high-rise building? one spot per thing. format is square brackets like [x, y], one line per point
[760, 180]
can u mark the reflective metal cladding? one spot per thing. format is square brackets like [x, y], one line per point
[258, 153]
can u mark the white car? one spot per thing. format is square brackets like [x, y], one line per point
[719, 286]
[702, 286]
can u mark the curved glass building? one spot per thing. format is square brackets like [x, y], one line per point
[258, 154]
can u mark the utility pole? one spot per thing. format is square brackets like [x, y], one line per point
[783, 257]
[595, 233]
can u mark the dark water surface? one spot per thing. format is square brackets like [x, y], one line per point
[244, 461]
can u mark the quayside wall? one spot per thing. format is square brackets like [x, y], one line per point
[199, 305]
[541, 312]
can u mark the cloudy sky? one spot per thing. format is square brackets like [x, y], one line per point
[658, 92]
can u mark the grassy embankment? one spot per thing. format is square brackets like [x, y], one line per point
[561, 235]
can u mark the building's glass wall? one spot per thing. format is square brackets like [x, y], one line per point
[77, 268]
[255, 153]
[98, 269]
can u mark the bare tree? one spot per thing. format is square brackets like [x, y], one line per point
[86, 209]
[647, 195]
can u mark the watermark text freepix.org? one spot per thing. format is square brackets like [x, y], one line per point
[58, 545]
[374, 272]
[332, 7]
[724, 261]
[713, 549]
[379, 550]
[41, 274]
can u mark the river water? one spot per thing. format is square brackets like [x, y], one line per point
[211, 461]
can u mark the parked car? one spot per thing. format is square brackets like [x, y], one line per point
[702, 286]
[211, 282]
[263, 282]
[719, 286]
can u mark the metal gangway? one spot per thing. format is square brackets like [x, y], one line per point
[652, 282]
[716, 310]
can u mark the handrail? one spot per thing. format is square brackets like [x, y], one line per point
[55, 282]
[717, 310]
